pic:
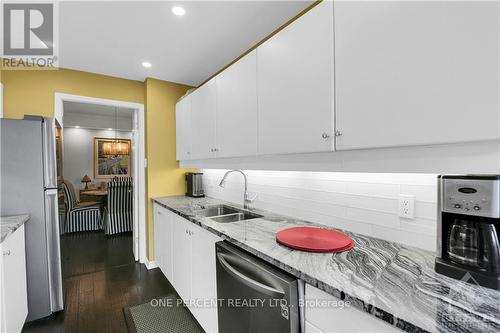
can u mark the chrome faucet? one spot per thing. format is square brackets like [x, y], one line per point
[246, 198]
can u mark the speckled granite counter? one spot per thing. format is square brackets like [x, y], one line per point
[393, 282]
[9, 224]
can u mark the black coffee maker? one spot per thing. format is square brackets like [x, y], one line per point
[468, 229]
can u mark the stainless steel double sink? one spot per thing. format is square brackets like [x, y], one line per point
[226, 214]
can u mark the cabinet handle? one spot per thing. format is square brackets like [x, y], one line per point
[187, 232]
[338, 133]
[325, 135]
[6, 253]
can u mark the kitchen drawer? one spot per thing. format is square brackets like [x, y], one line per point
[325, 313]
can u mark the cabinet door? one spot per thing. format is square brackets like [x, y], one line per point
[237, 122]
[182, 258]
[203, 121]
[163, 240]
[416, 72]
[167, 247]
[13, 295]
[158, 224]
[183, 128]
[295, 85]
[203, 277]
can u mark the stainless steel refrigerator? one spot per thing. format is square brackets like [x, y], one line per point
[28, 182]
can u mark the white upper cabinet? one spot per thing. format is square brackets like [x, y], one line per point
[237, 122]
[295, 85]
[414, 73]
[203, 112]
[183, 128]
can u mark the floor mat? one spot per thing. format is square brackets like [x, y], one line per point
[161, 315]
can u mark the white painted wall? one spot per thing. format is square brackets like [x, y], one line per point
[78, 158]
[360, 202]
[97, 121]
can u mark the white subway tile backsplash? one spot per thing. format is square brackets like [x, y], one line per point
[373, 217]
[419, 226]
[373, 189]
[372, 203]
[426, 210]
[359, 202]
[427, 193]
[405, 237]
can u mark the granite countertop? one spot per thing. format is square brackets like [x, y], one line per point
[9, 224]
[391, 281]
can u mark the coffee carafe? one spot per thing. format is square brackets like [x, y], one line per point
[468, 228]
[469, 243]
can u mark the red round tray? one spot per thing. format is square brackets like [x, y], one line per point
[312, 239]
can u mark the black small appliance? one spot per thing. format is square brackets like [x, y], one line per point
[194, 184]
[468, 228]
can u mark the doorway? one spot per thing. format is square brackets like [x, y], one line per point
[97, 119]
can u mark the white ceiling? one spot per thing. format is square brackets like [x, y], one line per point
[115, 37]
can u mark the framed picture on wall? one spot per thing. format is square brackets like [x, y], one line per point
[111, 157]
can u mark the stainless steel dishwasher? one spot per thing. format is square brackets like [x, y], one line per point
[255, 296]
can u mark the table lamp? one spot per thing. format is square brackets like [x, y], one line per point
[86, 179]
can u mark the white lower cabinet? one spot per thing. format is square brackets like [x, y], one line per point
[163, 239]
[188, 263]
[325, 314]
[204, 278]
[13, 292]
[181, 257]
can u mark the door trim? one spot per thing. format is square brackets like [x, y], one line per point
[139, 165]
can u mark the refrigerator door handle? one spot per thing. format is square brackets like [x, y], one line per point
[49, 153]
[53, 250]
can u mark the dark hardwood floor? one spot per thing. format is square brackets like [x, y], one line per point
[101, 277]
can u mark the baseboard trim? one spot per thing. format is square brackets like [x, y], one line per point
[150, 264]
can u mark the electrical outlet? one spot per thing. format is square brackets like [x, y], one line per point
[407, 206]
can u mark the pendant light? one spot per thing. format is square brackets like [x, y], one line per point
[115, 148]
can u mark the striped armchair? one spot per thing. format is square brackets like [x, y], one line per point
[119, 211]
[80, 216]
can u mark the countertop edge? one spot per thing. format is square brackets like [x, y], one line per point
[356, 302]
[17, 222]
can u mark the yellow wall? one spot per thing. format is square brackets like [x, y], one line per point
[163, 176]
[32, 92]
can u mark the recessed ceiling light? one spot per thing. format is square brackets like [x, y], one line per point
[146, 64]
[179, 11]
[77, 126]
[110, 129]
